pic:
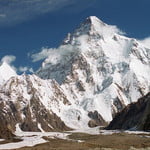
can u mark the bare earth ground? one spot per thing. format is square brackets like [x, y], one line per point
[10, 140]
[82, 141]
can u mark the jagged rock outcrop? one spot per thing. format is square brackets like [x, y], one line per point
[135, 116]
[96, 119]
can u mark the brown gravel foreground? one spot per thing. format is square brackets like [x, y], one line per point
[121, 141]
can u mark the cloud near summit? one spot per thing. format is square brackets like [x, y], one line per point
[146, 42]
[8, 59]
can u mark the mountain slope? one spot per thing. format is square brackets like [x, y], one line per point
[135, 116]
[5, 132]
[6, 72]
[31, 103]
[99, 70]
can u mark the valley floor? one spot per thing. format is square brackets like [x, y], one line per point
[92, 139]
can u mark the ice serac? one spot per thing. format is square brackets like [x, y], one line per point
[100, 71]
[6, 72]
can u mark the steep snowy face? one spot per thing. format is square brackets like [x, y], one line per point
[99, 70]
[32, 103]
[6, 72]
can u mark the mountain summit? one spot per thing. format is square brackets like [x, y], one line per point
[93, 27]
[91, 76]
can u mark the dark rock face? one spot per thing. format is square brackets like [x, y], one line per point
[147, 123]
[34, 114]
[49, 121]
[5, 130]
[96, 119]
[134, 116]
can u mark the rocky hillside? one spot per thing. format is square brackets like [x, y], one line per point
[135, 116]
[26, 101]
[5, 131]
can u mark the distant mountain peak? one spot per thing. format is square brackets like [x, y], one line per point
[6, 72]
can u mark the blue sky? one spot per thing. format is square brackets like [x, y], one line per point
[26, 26]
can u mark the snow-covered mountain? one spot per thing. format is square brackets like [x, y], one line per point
[100, 70]
[94, 73]
[6, 72]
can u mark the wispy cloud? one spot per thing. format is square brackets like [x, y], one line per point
[44, 53]
[2, 15]
[25, 69]
[16, 11]
[8, 59]
[146, 42]
[55, 55]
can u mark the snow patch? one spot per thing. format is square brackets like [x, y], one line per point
[39, 126]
